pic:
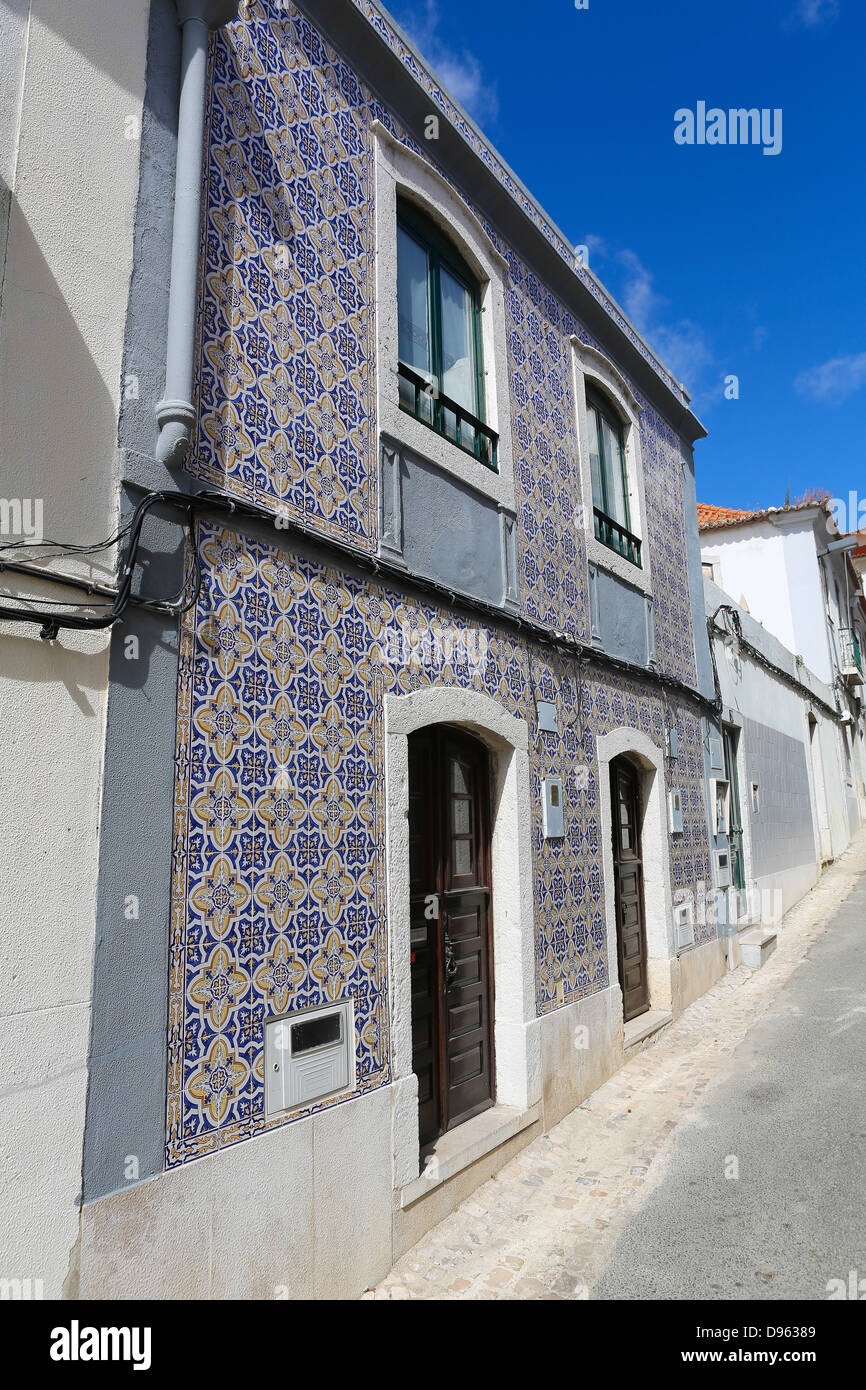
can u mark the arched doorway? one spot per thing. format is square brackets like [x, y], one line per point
[627, 815]
[450, 927]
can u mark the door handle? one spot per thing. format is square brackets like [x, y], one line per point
[451, 966]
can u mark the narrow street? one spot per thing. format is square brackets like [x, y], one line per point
[725, 1162]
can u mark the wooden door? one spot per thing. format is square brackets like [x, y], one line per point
[628, 874]
[451, 970]
[735, 817]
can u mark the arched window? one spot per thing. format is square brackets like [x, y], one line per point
[607, 460]
[441, 367]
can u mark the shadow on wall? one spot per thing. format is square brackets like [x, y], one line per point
[26, 658]
[98, 32]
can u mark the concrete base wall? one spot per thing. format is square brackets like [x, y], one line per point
[581, 1047]
[697, 971]
[302, 1212]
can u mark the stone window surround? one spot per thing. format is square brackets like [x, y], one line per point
[399, 171]
[517, 1037]
[655, 848]
[592, 367]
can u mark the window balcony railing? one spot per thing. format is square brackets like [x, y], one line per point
[852, 661]
[616, 537]
[419, 397]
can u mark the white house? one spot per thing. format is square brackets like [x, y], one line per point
[789, 568]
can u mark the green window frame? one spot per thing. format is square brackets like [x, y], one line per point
[421, 392]
[612, 516]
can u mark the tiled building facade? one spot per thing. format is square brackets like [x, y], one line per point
[326, 631]
[279, 887]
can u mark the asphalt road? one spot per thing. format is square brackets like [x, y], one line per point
[793, 1116]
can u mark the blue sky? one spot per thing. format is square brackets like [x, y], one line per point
[728, 260]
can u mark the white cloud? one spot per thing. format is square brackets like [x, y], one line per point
[682, 346]
[811, 13]
[833, 381]
[460, 71]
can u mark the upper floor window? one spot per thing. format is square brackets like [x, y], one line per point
[607, 459]
[441, 365]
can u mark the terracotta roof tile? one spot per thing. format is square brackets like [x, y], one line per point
[710, 517]
[717, 516]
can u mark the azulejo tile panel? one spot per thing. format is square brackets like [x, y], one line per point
[278, 875]
[286, 358]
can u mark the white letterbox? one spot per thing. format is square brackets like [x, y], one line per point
[309, 1055]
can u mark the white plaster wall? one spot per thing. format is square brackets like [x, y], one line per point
[749, 564]
[74, 180]
[773, 565]
[749, 690]
[810, 631]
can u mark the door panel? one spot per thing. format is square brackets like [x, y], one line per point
[452, 1007]
[735, 829]
[628, 876]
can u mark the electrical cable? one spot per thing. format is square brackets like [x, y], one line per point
[206, 501]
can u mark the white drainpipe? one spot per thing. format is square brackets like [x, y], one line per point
[176, 412]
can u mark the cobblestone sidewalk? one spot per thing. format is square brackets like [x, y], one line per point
[544, 1227]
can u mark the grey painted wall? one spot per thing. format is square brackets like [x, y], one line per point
[451, 533]
[126, 1088]
[782, 833]
[622, 619]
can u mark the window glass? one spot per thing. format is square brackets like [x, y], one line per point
[462, 857]
[458, 367]
[413, 303]
[595, 458]
[614, 479]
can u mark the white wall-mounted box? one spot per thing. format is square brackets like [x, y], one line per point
[720, 805]
[675, 810]
[547, 717]
[673, 743]
[553, 811]
[309, 1055]
[684, 926]
[717, 754]
[723, 868]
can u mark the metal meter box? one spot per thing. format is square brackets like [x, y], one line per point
[547, 717]
[308, 1055]
[723, 868]
[554, 811]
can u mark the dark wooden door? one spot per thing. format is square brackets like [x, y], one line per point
[735, 828]
[628, 873]
[452, 1005]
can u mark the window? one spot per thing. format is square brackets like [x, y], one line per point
[609, 479]
[439, 337]
[709, 569]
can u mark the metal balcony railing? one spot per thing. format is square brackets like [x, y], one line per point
[852, 661]
[616, 537]
[419, 397]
